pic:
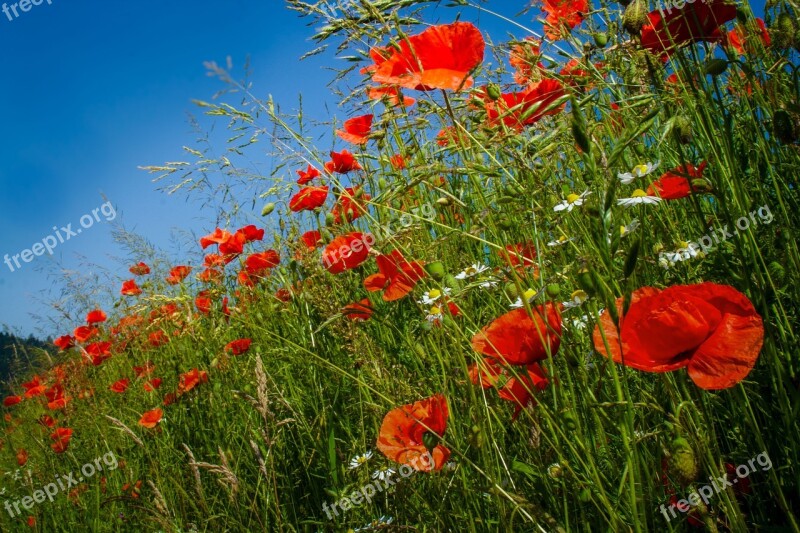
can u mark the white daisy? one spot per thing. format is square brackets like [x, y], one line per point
[572, 201]
[383, 474]
[581, 322]
[434, 315]
[359, 460]
[561, 240]
[488, 284]
[376, 524]
[638, 197]
[637, 172]
[529, 294]
[471, 271]
[430, 297]
[576, 299]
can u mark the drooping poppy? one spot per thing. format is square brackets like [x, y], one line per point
[151, 418]
[84, 333]
[520, 109]
[712, 330]
[346, 252]
[311, 239]
[12, 400]
[356, 130]
[674, 184]
[259, 263]
[398, 161]
[120, 385]
[129, 288]
[178, 273]
[698, 21]
[22, 456]
[202, 302]
[350, 205]
[441, 57]
[239, 346]
[359, 311]
[342, 163]
[95, 317]
[305, 176]
[64, 342]
[61, 436]
[139, 269]
[308, 198]
[191, 379]
[516, 338]
[409, 434]
[396, 277]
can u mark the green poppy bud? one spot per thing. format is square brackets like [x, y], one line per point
[553, 290]
[635, 16]
[715, 66]
[600, 39]
[435, 270]
[493, 91]
[269, 208]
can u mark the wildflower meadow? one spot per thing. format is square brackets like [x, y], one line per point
[544, 280]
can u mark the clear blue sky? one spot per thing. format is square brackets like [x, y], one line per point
[92, 90]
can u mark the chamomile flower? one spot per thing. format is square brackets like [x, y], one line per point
[576, 299]
[378, 524]
[560, 241]
[434, 314]
[630, 228]
[430, 297]
[638, 197]
[488, 284]
[359, 460]
[685, 251]
[383, 474]
[580, 322]
[471, 271]
[572, 201]
[529, 294]
[637, 172]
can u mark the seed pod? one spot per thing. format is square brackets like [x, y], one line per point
[600, 39]
[329, 219]
[430, 440]
[681, 461]
[269, 208]
[419, 348]
[451, 282]
[776, 273]
[493, 91]
[585, 282]
[435, 270]
[382, 183]
[715, 66]
[553, 290]
[683, 129]
[511, 290]
[635, 16]
[570, 421]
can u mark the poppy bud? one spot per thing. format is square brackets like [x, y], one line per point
[269, 208]
[701, 185]
[600, 39]
[570, 422]
[579, 131]
[475, 437]
[444, 200]
[681, 461]
[683, 129]
[435, 270]
[635, 16]
[715, 66]
[776, 273]
[553, 290]
[451, 282]
[493, 91]
[585, 495]
[420, 349]
[382, 183]
[639, 150]
[505, 223]
[511, 290]
[329, 219]
[784, 127]
[430, 440]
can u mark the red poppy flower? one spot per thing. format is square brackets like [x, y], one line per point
[711, 329]
[311, 238]
[307, 175]
[239, 346]
[178, 274]
[516, 338]
[397, 276]
[210, 275]
[151, 418]
[350, 205]
[673, 185]
[120, 386]
[449, 136]
[217, 237]
[12, 400]
[33, 387]
[520, 254]
[308, 198]
[283, 295]
[440, 57]
[61, 436]
[259, 264]
[191, 379]
[250, 233]
[129, 288]
[346, 252]
[144, 370]
[409, 434]
[139, 269]
[158, 338]
[562, 14]
[390, 94]
[698, 21]
[56, 398]
[524, 57]
[46, 421]
[519, 389]
[342, 163]
[84, 333]
[361, 310]
[203, 302]
[521, 109]
[95, 317]
[99, 352]
[398, 161]
[151, 385]
[64, 342]
[22, 456]
[356, 130]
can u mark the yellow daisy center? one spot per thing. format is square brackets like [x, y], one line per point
[683, 244]
[622, 230]
[434, 293]
[640, 169]
[572, 198]
[435, 310]
[530, 293]
[471, 271]
[579, 295]
[562, 239]
[638, 193]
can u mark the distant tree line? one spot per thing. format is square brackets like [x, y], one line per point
[17, 355]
